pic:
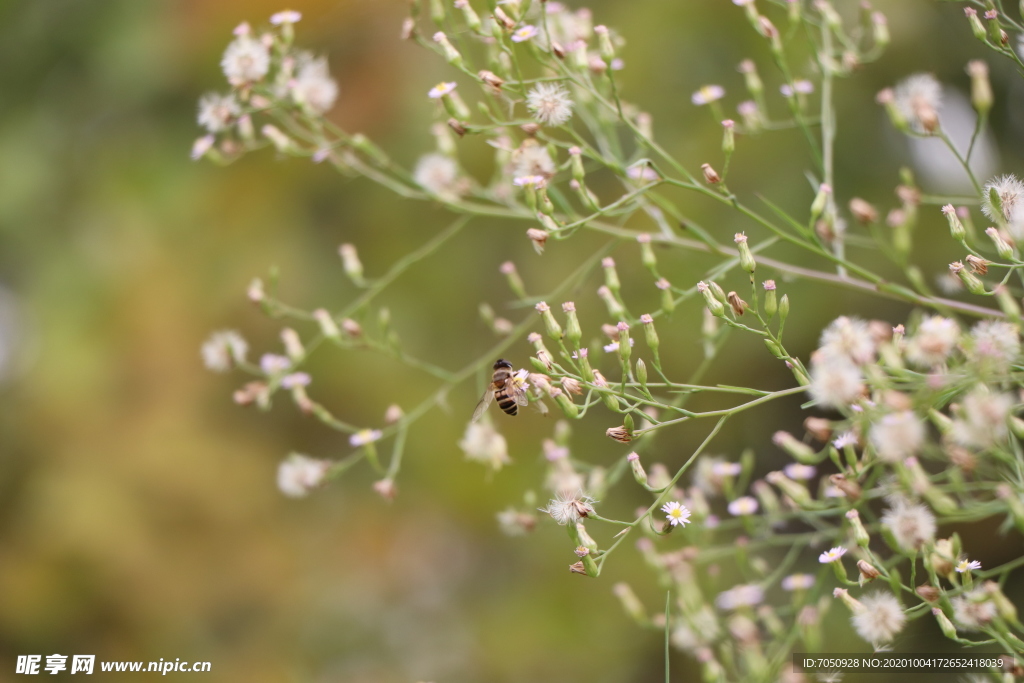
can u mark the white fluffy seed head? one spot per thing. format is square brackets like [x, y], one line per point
[849, 337]
[912, 525]
[983, 418]
[1010, 192]
[313, 85]
[482, 443]
[973, 611]
[437, 174]
[933, 341]
[919, 98]
[216, 111]
[570, 508]
[995, 343]
[550, 103]
[246, 60]
[299, 474]
[897, 436]
[835, 382]
[882, 619]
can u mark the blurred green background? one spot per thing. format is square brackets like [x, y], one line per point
[139, 516]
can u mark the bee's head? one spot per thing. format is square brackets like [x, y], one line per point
[502, 363]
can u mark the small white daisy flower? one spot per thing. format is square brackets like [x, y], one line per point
[296, 379]
[966, 566]
[799, 472]
[832, 555]
[274, 364]
[743, 506]
[642, 172]
[797, 582]
[707, 94]
[524, 33]
[441, 89]
[364, 436]
[676, 513]
[530, 181]
[845, 439]
[285, 17]
[744, 595]
[550, 103]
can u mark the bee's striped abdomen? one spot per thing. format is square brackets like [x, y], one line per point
[506, 403]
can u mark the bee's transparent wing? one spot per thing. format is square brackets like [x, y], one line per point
[516, 391]
[485, 401]
[541, 407]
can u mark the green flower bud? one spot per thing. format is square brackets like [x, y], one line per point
[1004, 248]
[328, 327]
[799, 451]
[611, 276]
[774, 349]
[351, 264]
[977, 28]
[880, 29]
[771, 303]
[716, 307]
[820, 200]
[572, 324]
[565, 403]
[797, 492]
[750, 77]
[604, 43]
[981, 88]
[783, 308]
[450, 53]
[647, 256]
[638, 470]
[624, 346]
[956, 228]
[631, 603]
[860, 534]
[728, 136]
[641, 372]
[971, 283]
[471, 17]
[947, 627]
[437, 12]
[887, 99]
[747, 262]
[551, 325]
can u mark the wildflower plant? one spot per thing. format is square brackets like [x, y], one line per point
[912, 424]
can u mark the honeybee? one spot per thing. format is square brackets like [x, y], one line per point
[508, 387]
